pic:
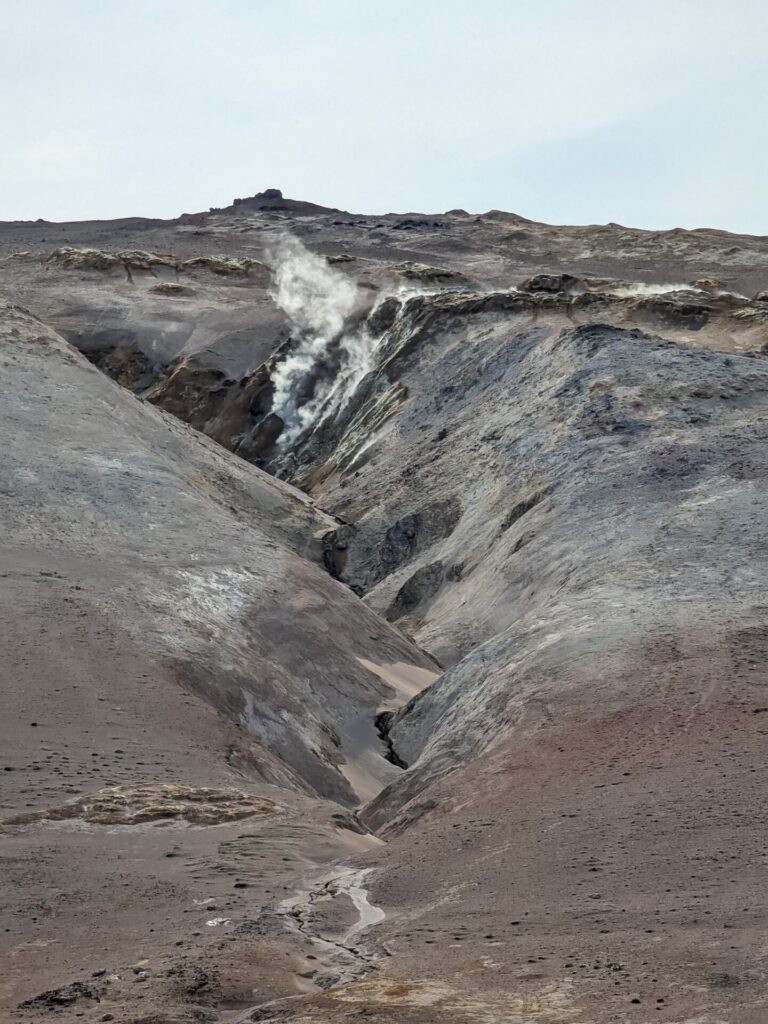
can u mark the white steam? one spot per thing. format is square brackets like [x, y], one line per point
[316, 298]
[319, 302]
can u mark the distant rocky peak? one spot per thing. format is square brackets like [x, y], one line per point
[268, 197]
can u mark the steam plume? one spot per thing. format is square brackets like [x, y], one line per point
[330, 354]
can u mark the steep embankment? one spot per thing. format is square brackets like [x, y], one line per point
[568, 516]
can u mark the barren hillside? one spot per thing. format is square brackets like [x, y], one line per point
[384, 620]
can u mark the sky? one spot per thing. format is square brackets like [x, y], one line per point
[648, 113]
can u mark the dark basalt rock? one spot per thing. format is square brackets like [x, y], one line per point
[67, 995]
[262, 439]
[549, 283]
[422, 586]
[266, 199]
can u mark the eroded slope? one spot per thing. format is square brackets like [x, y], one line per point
[555, 486]
[175, 659]
[566, 514]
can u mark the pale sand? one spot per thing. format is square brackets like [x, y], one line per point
[408, 680]
[366, 769]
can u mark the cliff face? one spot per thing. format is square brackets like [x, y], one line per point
[473, 545]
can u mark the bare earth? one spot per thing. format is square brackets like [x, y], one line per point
[384, 620]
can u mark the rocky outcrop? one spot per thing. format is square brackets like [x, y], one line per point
[134, 260]
[553, 283]
[426, 274]
[161, 802]
[272, 200]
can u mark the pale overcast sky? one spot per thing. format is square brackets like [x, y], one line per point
[644, 112]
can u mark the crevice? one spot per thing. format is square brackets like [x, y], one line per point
[383, 723]
[335, 545]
